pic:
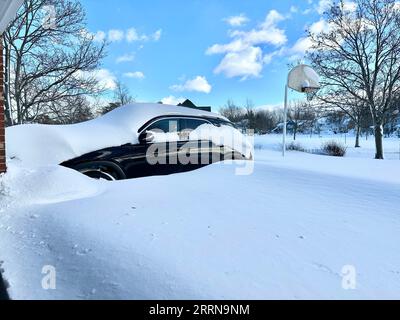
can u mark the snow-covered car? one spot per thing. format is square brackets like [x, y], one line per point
[133, 141]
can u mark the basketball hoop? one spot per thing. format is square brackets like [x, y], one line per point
[304, 79]
[310, 93]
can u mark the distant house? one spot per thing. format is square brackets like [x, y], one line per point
[189, 104]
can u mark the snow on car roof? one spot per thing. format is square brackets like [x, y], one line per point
[40, 145]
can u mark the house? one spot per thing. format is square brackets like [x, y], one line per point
[8, 9]
[189, 104]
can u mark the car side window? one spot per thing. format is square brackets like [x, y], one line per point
[165, 125]
[191, 124]
[188, 125]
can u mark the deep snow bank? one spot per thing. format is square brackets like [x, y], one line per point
[281, 233]
[40, 145]
[43, 185]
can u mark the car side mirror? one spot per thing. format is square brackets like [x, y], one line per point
[146, 137]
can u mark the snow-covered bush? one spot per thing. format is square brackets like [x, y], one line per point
[334, 149]
[295, 146]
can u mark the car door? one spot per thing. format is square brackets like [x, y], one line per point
[149, 158]
[196, 151]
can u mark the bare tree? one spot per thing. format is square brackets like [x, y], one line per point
[232, 111]
[354, 108]
[50, 59]
[359, 56]
[250, 114]
[122, 97]
[71, 110]
[297, 115]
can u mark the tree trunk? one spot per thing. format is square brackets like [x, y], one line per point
[379, 142]
[357, 137]
[294, 132]
[7, 73]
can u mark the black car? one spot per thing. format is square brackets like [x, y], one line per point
[135, 160]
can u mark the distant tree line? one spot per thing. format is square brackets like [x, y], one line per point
[304, 118]
[301, 117]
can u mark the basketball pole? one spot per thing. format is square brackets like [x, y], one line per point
[285, 111]
[300, 80]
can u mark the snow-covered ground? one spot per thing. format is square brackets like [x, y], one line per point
[314, 143]
[287, 231]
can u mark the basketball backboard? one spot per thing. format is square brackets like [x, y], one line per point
[303, 79]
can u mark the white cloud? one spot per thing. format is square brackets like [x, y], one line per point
[323, 6]
[267, 59]
[272, 18]
[270, 35]
[237, 21]
[126, 58]
[294, 9]
[99, 36]
[133, 35]
[198, 84]
[234, 46]
[304, 44]
[135, 75]
[349, 6]
[172, 100]
[106, 79]
[115, 35]
[245, 63]
[86, 34]
[243, 54]
[301, 46]
[319, 26]
[157, 35]
[130, 35]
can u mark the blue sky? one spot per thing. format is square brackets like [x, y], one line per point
[206, 50]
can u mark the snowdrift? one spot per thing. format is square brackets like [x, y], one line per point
[221, 136]
[41, 145]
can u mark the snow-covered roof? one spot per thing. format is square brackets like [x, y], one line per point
[54, 144]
